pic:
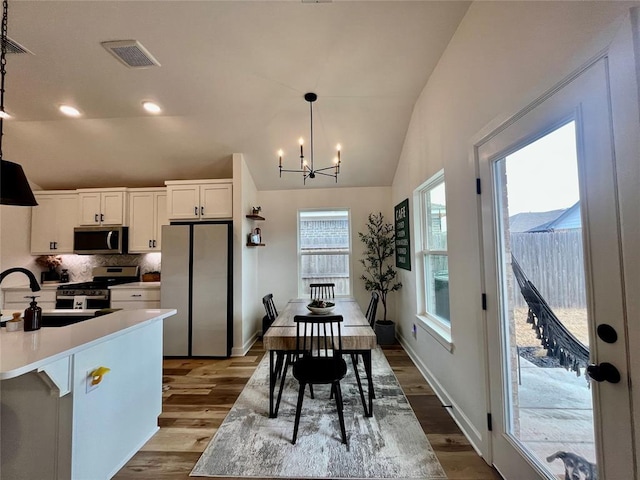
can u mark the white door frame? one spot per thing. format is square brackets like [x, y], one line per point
[612, 410]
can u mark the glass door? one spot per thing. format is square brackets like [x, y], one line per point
[552, 263]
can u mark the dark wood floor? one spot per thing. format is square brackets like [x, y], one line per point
[198, 394]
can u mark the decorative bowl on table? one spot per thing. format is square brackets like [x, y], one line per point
[320, 307]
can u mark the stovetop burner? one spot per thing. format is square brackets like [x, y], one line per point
[103, 278]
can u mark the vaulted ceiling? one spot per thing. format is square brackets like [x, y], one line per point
[232, 79]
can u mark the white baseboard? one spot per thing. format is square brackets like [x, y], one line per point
[468, 429]
[241, 352]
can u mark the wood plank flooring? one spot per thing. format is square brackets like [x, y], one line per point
[198, 394]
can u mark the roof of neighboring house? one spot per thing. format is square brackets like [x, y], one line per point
[568, 220]
[524, 222]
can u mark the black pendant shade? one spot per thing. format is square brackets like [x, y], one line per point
[14, 188]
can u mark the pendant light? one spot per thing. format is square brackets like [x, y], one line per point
[307, 169]
[14, 187]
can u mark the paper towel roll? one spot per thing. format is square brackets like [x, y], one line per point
[80, 302]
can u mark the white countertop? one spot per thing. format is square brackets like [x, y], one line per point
[22, 352]
[137, 285]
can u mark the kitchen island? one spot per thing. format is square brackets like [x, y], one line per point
[63, 416]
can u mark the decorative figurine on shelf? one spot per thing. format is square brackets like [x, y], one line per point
[51, 263]
[256, 210]
[256, 236]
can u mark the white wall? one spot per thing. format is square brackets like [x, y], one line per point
[278, 260]
[503, 55]
[247, 311]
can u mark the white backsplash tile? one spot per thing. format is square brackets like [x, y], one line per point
[80, 266]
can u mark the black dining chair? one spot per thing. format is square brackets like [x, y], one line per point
[318, 361]
[320, 291]
[371, 318]
[271, 312]
[372, 309]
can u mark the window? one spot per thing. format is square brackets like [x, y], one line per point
[324, 250]
[435, 259]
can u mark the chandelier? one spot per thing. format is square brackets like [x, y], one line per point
[14, 188]
[307, 168]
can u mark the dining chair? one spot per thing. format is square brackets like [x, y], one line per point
[267, 320]
[372, 309]
[318, 361]
[371, 318]
[322, 290]
[271, 312]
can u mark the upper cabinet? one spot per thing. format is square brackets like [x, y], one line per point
[102, 206]
[52, 222]
[147, 214]
[199, 199]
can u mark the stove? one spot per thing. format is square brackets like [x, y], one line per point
[96, 292]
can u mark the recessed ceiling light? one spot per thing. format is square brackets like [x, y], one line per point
[5, 115]
[69, 110]
[151, 107]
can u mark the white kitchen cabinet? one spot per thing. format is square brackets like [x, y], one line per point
[199, 199]
[147, 214]
[102, 206]
[130, 297]
[15, 301]
[52, 222]
[56, 421]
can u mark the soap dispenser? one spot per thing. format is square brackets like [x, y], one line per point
[32, 316]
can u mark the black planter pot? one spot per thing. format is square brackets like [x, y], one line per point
[385, 332]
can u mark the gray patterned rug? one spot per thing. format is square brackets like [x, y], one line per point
[391, 444]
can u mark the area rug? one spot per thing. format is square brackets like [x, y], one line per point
[391, 444]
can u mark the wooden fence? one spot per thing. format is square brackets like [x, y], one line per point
[554, 263]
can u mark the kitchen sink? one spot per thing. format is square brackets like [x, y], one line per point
[63, 321]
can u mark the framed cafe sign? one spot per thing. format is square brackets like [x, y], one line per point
[403, 242]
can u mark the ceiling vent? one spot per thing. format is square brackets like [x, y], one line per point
[15, 47]
[131, 53]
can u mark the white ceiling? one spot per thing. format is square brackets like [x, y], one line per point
[232, 79]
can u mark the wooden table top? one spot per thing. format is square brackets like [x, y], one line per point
[356, 332]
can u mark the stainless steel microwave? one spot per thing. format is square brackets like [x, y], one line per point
[100, 240]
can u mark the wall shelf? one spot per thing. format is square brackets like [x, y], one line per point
[255, 217]
[255, 244]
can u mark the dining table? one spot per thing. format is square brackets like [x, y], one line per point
[358, 338]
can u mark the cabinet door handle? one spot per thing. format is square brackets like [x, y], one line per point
[95, 218]
[201, 210]
[154, 244]
[136, 295]
[55, 245]
[150, 243]
[102, 217]
[195, 210]
[50, 245]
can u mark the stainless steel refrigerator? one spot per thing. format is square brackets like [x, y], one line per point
[197, 281]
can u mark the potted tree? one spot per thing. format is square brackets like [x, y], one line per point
[380, 276]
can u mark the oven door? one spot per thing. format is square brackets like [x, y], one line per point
[97, 303]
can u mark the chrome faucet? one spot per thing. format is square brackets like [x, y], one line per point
[33, 282]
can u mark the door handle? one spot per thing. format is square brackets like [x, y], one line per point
[603, 372]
